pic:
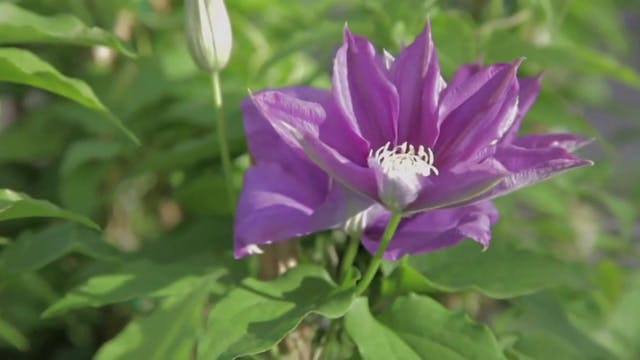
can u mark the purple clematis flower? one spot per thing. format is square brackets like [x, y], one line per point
[392, 136]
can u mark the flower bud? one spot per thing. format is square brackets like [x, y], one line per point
[208, 33]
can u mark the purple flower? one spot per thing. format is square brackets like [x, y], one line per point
[392, 136]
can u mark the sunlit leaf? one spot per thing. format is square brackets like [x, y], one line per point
[170, 332]
[257, 315]
[23, 67]
[13, 336]
[418, 327]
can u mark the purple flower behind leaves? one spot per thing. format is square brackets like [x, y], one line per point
[391, 136]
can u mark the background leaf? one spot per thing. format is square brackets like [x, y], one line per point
[502, 271]
[18, 25]
[14, 205]
[33, 250]
[171, 267]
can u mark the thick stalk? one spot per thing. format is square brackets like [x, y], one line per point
[222, 138]
[392, 225]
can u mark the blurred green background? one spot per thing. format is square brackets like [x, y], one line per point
[167, 198]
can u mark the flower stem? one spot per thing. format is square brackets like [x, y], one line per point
[222, 137]
[392, 225]
[350, 254]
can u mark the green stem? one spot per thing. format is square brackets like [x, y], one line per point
[350, 254]
[392, 225]
[222, 137]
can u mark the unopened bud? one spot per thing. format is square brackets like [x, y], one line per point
[208, 33]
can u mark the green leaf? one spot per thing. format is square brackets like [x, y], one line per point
[13, 336]
[257, 315]
[84, 151]
[15, 205]
[622, 333]
[33, 250]
[18, 25]
[170, 332]
[173, 265]
[502, 271]
[541, 319]
[418, 327]
[23, 67]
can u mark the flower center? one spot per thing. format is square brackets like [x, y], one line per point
[404, 160]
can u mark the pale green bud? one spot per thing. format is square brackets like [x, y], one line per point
[208, 33]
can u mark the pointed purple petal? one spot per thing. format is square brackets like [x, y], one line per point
[477, 113]
[456, 186]
[529, 90]
[273, 206]
[363, 92]
[569, 142]
[266, 145]
[416, 75]
[463, 73]
[434, 230]
[529, 166]
[299, 124]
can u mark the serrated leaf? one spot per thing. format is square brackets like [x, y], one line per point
[23, 67]
[418, 327]
[19, 26]
[15, 205]
[171, 266]
[257, 315]
[170, 332]
[502, 271]
[33, 250]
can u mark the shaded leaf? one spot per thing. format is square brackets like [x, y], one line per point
[23, 67]
[257, 315]
[18, 25]
[33, 250]
[171, 266]
[502, 271]
[15, 205]
[540, 319]
[418, 327]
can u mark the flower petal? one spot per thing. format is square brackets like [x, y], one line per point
[363, 92]
[299, 124]
[477, 113]
[569, 142]
[273, 206]
[416, 76]
[529, 166]
[529, 90]
[266, 145]
[457, 185]
[433, 230]
[395, 192]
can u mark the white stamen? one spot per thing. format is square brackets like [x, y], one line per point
[404, 160]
